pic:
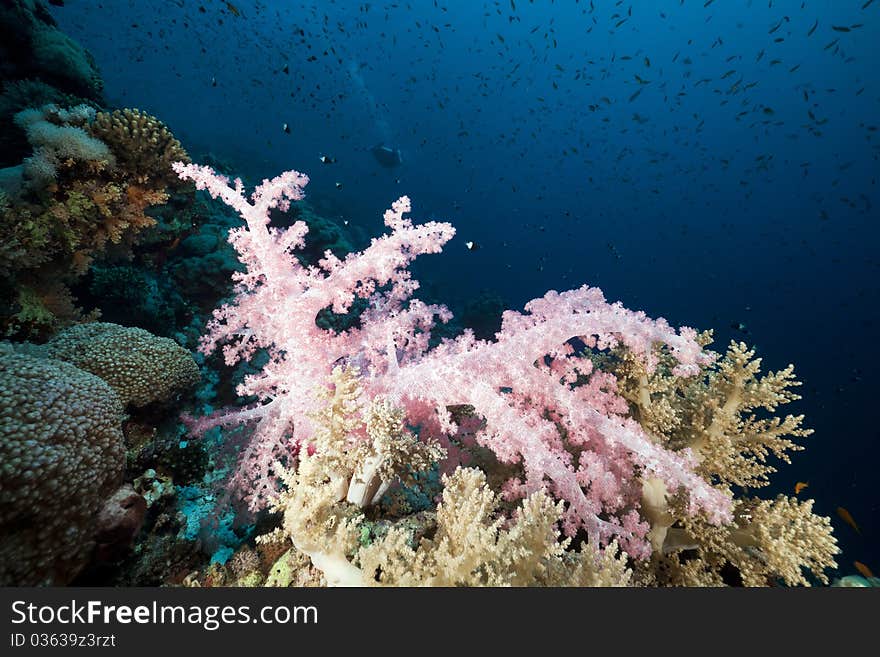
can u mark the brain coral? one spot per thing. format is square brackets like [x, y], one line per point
[141, 367]
[61, 457]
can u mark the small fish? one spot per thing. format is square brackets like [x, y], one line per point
[339, 185]
[846, 516]
[472, 246]
[863, 569]
[325, 159]
[813, 29]
[799, 486]
[739, 326]
[60, 3]
[840, 28]
[232, 8]
[213, 82]
[285, 128]
[285, 69]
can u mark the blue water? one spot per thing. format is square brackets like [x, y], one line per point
[710, 200]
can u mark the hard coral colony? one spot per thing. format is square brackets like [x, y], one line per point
[585, 444]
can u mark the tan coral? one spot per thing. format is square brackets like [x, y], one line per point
[140, 366]
[317, 520]
[144, 146]
[475, 546]
[353, 452]
[394, 454]
[727, 417]
[769, 541]
[730, 440]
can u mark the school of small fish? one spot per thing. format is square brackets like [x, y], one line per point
[313, 48]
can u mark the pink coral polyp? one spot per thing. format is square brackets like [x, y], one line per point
[575, 441]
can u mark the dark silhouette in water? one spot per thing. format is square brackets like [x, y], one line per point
[387, 156]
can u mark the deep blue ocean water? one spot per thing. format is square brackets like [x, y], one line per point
[714, 163]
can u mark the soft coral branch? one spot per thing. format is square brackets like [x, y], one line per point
[565, 435]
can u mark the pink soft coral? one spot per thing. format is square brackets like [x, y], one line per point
[575, 440]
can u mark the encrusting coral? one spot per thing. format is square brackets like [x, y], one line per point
[141, 367]
[61, 458]
[62, 446]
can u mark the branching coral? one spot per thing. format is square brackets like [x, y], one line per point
[573, 440]
[471, 544]
[143, 145]
[346, 466]
[474, 545]
[716, 415]
[726, 417]
[619, 427]
[769, 541]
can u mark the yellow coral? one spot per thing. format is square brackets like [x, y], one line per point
[144, 146]
[471, 540]
[769, 540]
[473, 543]
[475, 546]
[726, 417]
